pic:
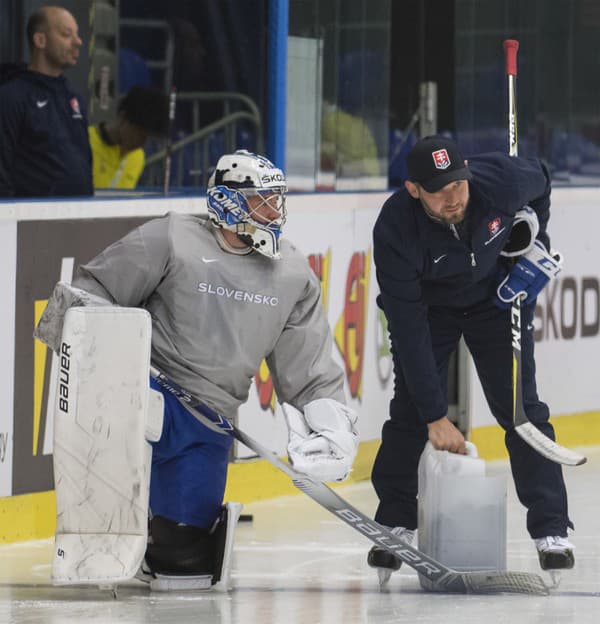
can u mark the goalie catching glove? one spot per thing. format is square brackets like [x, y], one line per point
[529, 276]
[323, 441]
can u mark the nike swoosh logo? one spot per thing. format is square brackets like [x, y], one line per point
[41, 103]
[436, 260]
[207, 260]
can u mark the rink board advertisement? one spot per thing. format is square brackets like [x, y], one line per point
[8, 262]
[57, 244]
[567, 315]
[42, 243]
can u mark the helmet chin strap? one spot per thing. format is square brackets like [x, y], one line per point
[225, 245]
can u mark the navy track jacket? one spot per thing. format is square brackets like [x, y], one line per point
[44, 147]
[421, 263]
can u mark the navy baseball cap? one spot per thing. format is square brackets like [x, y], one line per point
[436, 161]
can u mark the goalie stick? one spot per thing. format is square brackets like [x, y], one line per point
[443, 578]
[524, 428]
[169, 141]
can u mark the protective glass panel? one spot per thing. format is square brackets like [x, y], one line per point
[338, 112]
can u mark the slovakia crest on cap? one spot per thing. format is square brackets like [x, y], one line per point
[441, 159]
[494, 226]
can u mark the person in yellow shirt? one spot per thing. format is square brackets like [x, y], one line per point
[347, 144]
[117, 148]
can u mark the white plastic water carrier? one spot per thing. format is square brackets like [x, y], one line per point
[462, 512]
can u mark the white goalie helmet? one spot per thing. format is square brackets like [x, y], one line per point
[246, 195]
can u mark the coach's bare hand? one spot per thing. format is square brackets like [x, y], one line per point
[446, 437]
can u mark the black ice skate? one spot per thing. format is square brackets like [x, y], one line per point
[383, 561]
[555, 553]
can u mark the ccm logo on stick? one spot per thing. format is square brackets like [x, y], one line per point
[63, 377]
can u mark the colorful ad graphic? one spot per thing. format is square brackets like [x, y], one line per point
[350, 329]
[44, 248]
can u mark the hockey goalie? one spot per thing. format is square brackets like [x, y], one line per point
[139, 480]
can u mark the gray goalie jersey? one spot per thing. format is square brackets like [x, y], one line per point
[216, 315]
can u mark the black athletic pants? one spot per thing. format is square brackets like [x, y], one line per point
[487, 332]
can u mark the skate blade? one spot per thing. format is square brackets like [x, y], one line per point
[384, 576]
[556, 578]
[163, 583]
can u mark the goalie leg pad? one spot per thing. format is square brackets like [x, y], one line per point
[101, 455]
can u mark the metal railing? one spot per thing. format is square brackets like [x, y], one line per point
[197, 161]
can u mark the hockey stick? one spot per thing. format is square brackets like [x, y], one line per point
[443, 578]
[524, 428]
[169, 140]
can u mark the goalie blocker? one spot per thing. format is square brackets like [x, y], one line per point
[105, 416]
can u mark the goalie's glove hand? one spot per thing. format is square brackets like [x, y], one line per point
[524, 230]
[529, 276]
[323, 441]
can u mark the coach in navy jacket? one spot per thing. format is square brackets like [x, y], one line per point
[44, 147]
[437, 251]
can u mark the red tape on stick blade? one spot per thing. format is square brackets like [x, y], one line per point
[510, 53]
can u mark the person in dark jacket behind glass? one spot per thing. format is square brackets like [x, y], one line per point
[44, 148]
[452, 250]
